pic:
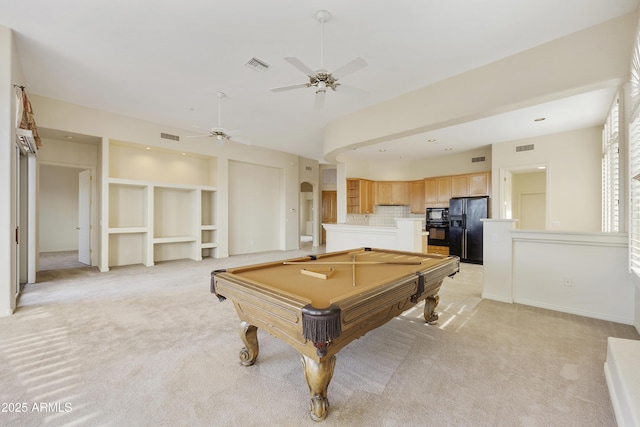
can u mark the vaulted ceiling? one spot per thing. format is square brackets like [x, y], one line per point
[164, 61]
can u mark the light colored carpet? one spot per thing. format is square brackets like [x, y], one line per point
[59, 260]
[150, 346]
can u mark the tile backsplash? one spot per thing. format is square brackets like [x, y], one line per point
[382, 216]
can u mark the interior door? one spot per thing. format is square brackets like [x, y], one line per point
[84, 217]
[329, 210]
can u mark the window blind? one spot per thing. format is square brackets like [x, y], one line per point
[634, 195]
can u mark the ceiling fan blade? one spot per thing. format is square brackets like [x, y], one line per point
[283, 88]
[319, 101]
[349, 68]
[351, 90]
[300, 66]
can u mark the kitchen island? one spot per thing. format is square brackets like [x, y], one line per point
[407, 235]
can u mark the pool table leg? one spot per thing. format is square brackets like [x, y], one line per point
[318, 376]
[248, 335]
[430, 304]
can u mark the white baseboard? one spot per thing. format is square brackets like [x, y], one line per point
[499, 298]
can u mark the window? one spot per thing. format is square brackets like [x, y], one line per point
[634, 161]
[611, 170]
[634, 192]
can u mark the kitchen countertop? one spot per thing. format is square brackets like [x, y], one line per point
[406, 235]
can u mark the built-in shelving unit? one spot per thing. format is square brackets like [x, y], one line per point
[208, 227]
[159, 220]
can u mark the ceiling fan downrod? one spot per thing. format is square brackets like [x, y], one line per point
[322, 16]
[220, 95]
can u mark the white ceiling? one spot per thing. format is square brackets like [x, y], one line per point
[164, 61]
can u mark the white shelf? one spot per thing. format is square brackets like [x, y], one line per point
[128, 230]
[174, 239]
[160, 206]
[174, 213]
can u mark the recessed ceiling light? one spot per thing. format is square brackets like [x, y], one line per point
[184, 154]
[431, 140]
[382, 150]
[542, 167]
[68, 137]
[448, 149]
[539, 119]
[147, 148]
[403, 157]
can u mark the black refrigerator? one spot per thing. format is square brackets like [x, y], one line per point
[465, 227]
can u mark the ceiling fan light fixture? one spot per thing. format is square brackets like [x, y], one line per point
[320, 78]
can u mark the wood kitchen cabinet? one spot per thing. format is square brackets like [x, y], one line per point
[469, 185]
[460, 186]
[440, 250]
[359, 196]
[437, 191]
[416, 196]
[391, 193]
[430, 192]
[443, 187]
[480, 184]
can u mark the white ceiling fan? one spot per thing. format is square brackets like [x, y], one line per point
[321, 79]
[220, 133]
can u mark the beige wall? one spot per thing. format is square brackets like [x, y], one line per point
[573, 161]
[453, 164]
[54, 114]
[255, 194]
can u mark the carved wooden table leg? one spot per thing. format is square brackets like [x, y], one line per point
[318, 376]
[430, 304]
[248, 335]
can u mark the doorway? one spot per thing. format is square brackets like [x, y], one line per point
[65, 217]
[524, 192]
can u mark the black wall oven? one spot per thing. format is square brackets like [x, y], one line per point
[438, 226]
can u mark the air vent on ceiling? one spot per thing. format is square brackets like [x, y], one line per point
[257, 64]
[478, 159]
[309, 168]
[520, 148]
[169, 136]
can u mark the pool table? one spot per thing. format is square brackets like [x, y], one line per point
[320, 303]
